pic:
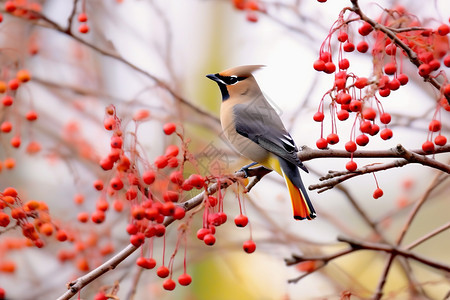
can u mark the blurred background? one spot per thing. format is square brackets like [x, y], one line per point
[154, 55]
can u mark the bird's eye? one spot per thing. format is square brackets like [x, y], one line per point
[232, 80]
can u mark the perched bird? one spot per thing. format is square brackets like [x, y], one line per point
[255, 130]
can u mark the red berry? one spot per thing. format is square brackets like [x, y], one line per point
[212, 201]
[440, 140]
[249, 246]
[391, 49]
[98, 185]
[109, 123]
[365, 29]
[351, 166]
[61, 236]
[172, 162]
[325, 56]
[149, 177]
[350, 146]
[424, 70]
[319, 65]
[176, 177]
[444, 29]
[385, 118]
[83, 28]
[349, 47]
[31, 115]
[6, 127]
[377, 193]
[252, 17]
[98, 216]
[202, 232]
[394, 84]
[169, 128]
[15, 141]
[137, 239]
[132, 229]
[343, 98]
[332, 139]
[362, 47]
[447, 61]
[369, 113]
[344, 64]
[384, 92]
[355, 105]
[435, 126]
[196, 181]
[179, 213]
[161, 162]
[163, 272]
[116, 183]
[241, 220]
[116, 142]
[374, 129]
[390, 68]
[428, 147]
[83, 217]
[169, 284]
[184, 279]
[172, 151]
[342, 36]
[361, 82]
[318, 116]
[82, 17]
[446, 90]
[434, 64]
[160, 230]
[403, 78]
[321, 143]
[7, 100]
[362, 140]
[330, 67]
[146, 263]
[342, 115]
[10, 6]
[209, 239]
[386, 134]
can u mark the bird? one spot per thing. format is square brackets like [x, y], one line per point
[255, 130]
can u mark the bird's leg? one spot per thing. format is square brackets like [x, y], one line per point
[245, 168]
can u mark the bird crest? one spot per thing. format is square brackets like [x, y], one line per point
[241, 71]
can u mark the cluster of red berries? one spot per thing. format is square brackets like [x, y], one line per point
[152, 194]
[22, 8]
[84, 27]
[22, 212]
[356, 95]
[251, 7]
[8, 90]
[214, 216]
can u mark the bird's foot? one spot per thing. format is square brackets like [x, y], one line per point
[245, 168]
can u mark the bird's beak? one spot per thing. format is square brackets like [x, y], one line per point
[213, 77]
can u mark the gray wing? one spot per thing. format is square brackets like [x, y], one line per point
[260, 123]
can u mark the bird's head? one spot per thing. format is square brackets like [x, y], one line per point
[236, 81]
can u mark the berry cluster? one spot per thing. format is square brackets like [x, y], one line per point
[42, 224]
[251, 7]
[154, 193]
[82, 18]
[214, 216]
[361, 96]
[22, 8]
[10, 124]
